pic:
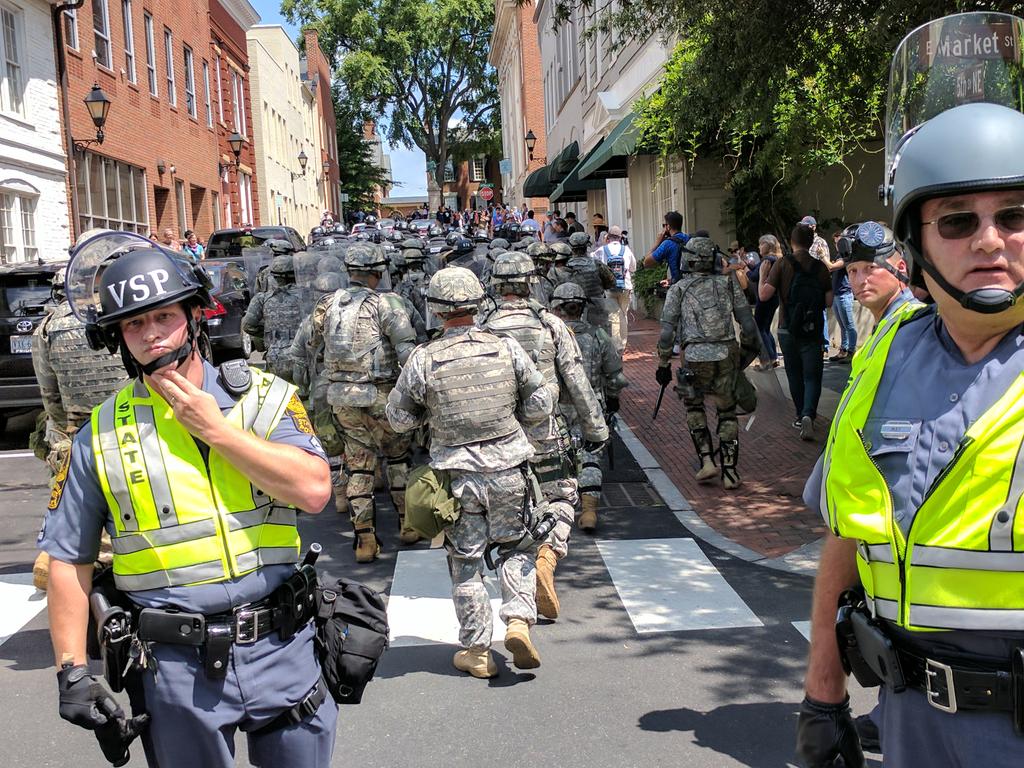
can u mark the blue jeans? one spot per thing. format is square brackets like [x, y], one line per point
[804, 366]
[842, 307]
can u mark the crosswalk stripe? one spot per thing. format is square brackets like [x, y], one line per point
[668, 585]
[20, 602]
[420, 608]
[804, 628]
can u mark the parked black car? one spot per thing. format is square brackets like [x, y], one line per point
[24, 296]
[228, 243]
[231, 296]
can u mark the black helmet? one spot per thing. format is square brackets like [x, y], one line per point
[869, 242]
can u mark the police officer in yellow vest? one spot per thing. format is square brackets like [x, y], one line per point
[920, 483]
[197, 474]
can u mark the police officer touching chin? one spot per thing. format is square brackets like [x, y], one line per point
[920, 481]
[197, 474]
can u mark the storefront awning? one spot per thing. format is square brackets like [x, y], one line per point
[573, 189]
[538, 183]
[612, 157]
[564, 162]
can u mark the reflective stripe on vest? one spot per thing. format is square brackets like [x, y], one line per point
[961, 566]
[180, 520]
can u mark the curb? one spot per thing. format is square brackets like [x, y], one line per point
[802, 561]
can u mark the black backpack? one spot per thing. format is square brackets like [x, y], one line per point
[805, 303]
[351, 636]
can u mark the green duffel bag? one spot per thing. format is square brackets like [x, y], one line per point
[429, 504]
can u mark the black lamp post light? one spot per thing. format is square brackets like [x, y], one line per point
[303, 159]
[98, 104]
[236, 141]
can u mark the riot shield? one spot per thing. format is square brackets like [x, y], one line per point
[253, 260]
[305, 275]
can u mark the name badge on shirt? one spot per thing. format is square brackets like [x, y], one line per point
[896, 430]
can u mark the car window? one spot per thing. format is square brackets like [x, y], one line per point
[25, 294]
[297, 241]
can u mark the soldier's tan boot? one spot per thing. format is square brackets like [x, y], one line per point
[41, 571]
[519, 644]
[588, 518]
[407, 535]
[547, 600]
[366, 545]
[708, 470]
[706, 453]
[479, 662]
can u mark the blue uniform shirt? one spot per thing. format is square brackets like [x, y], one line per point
[669, 252]
[71, 530]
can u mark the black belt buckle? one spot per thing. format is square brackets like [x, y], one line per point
[1017, 689]
[247, 629]
[934, 672]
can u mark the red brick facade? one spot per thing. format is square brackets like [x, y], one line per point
[466, 185]
[318, 73]
[533, 96]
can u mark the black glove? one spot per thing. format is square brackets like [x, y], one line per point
[611, 404]
[117, 734]
[825, 732]
[663, 375]
[84, 700]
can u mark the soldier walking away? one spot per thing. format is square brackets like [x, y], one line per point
[589, 274]
[550, 343]
[603, 364]
[698, 315]
[366, 336]
[476, 391]
[198, 473]
[543, 257]
[274, 316]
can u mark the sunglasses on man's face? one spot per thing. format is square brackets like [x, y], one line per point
[956, 226]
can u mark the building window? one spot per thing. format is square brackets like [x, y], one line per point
[245, 198]
[179, 200]
[220, 97]
[71, 28]
[12, 84]
[478, 170]
[17, 228]
[225, 189]
[190, 83]
[111, 194]
[206, 95]
[238, 102]
[150, 54]
[129, 40]
[449, 172]
[172, 97]
[101, 33]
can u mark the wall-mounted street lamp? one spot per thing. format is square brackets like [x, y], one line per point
[303, 159]
[236, 141]
[98, 104]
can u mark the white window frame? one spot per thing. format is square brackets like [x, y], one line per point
[179, 204]
[12, 76]
[478, 173]
[238, 103]
[225, 188]
[138, 221]
[220, 95]
[190, 82]
[70, 22]
[100, 6]
[449, 171]
[129, 40]
[154, 83]
[245, 198]
[206, 94]
[17, 227]
[215, 205]
[172, 96]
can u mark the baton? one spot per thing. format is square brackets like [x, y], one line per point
[658, 406]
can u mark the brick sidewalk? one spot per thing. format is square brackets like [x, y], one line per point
[766, 514]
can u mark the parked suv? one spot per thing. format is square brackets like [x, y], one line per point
[228, 243]
[24, 297]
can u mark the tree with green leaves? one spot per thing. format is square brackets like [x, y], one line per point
[358, 173]
[419, 67]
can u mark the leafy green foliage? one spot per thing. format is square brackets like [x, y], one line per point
[417, 66]
[359, 174]
[646, 282]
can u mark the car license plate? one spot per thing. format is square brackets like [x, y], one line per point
[21, 345]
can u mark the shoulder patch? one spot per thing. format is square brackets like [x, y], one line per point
[297, 412]
[59, 480]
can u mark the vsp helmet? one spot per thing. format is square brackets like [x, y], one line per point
[700, 254]
[454, 290]
[568, 294]
[579, 242]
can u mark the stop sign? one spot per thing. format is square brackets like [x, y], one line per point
[486, 193]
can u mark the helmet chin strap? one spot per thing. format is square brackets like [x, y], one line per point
[176, 357]
[985, 301]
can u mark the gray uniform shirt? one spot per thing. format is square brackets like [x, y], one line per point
[71, 530]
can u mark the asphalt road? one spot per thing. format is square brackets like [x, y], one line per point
[668, 652]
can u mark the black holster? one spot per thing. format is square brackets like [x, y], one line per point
[865, 650]
[110, 630]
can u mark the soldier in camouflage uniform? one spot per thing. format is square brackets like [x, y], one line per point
[552, 346]
[603, 364]
[476, 391]
[591, 275]
[497, 246]
[366, 336]
[698, 315]
[414, 283]
[543, 257]
[73, 379]
[273, 317]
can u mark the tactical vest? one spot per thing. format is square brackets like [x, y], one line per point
[590, 349]
[85, 377]
[356, 349]
[583, 271]
[522, 322]
[471, 388]
[961, 566]
[180, 520]
[414, 288]
[282, 313]
[706, 309]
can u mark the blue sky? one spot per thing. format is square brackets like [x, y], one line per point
[407, 166]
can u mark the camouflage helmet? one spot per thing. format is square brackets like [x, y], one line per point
[528, 240]
[513, 267]
[579, 241]
[414, 255]
[328, 265]
[539, 251]
[282, 264]
[568, 293]
[454, 289]
[413, 243]
[561, 251]
[366, 257]
[498, 244]
[327, 283]
[700, 253]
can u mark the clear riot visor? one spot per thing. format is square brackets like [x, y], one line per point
[958, 59]
[82, 279]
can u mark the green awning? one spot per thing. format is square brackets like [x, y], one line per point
[564, 162]
[613, 158]
[573, 189]
[538, 183]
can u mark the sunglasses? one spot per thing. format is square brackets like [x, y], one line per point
[956, 226]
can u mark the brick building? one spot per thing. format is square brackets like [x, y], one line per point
[318, 76]
[158, 165]
[463, 181]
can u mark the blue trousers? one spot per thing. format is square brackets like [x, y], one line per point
[842, 308]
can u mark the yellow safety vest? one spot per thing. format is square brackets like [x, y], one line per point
[962, 564]
[180, 520]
